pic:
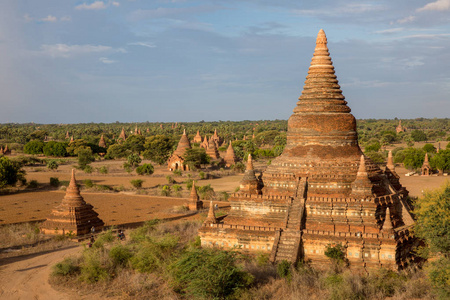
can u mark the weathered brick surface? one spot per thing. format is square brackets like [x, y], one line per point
[321, 189]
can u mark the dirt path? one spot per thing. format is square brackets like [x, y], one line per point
[26, 277]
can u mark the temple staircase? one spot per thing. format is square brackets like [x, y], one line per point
[287, 241]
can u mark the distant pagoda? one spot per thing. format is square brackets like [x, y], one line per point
[230, 157]
[321, 191]
[73, 215]
[176, 160]
[198, 137]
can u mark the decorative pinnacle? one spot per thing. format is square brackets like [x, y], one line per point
[321, 38]
[184, 131]
[387, 226]
[390, 161]
[362, 167]
[426, 158]
[249, 162]
[211, 218]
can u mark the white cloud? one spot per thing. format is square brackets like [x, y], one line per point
[439, 5]
[391, 30]
[115, 3]
[49, 18]
[106, 60]
[143, 44]
[27, 18]
[97, 5]
[351, 8]
[64, 50]
[406, 19]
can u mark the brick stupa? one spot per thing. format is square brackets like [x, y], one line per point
[102, 142]
[230, 158]
[212, 150]
[73, 215]
[198, 137]
[320, 191]
[194, 202]
[176, 160]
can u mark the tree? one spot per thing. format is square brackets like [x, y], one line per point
[413, 158]
[429, 148]
[135, 143]
[373, 147]
[418, 135]
[33, 147]
[441, 160]
[432, 225]
[196, 157]
[10, 172]
[117, 151]
[56, 149]
[85, 157]
[75, 145]
[158, 148]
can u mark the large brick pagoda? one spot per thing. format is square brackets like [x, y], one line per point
[73, 215]
[321, 190]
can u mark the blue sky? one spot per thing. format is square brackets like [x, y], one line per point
[174, 60]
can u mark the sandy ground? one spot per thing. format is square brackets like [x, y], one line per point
[27, 277]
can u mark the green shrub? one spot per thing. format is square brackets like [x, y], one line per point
[105, 237]
[189, 184]
[166, 190]
[208, 274]
[177, 172]
[87, 169]
[154, 253]
[52, 164]
[177, 188]
[103, 170]
[284, 269]
[335, 252]
[137, 183]
[206, 192]
[88, 183]
[92, 269]
[145, 169]
[54, 181]
[170, 180]
[202, 175]
[67, 267]
[33, 184]
[120, 255]
[262, 259]
[223, 196]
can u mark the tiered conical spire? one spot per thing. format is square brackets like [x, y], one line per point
[211, 218]
[362, 186]
[322, 117]
[73, 214]
[183, 144]
[122, 135]
[198, 137]
[102, 142]
[387, 226]
[390, 162]
[73, 197]
[249, 183]
[230, 157]
[194, 200]
[71, 139]
[212, 149]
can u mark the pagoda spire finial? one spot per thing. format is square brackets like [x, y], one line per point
[249, 162]
[184, 131]
[211, 218]
[387, 226]
[390, 162]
